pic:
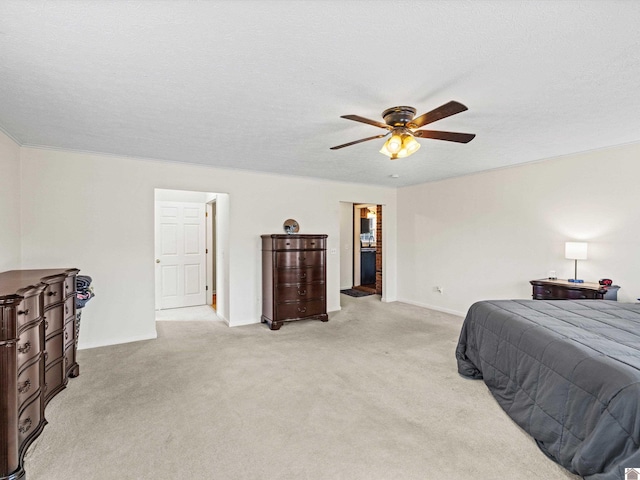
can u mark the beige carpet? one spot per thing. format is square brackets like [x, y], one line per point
[372, 394]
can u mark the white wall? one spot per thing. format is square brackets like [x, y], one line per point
[485, 236]
[346, 245]
[9, 204]
[95, 212]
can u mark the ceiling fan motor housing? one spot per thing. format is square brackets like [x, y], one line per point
[398, 116]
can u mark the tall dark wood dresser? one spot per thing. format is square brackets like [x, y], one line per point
[37, 355]
[294, 278]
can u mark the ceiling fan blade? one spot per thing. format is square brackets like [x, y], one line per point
[443, 111]
[448, 136]
[358, 141]
[357, 118]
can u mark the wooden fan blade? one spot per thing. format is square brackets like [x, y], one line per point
[448, 136]
[358, 118]
[443, 111]
[358, 141]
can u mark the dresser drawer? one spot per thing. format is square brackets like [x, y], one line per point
[301, 291]
[53, 320]
[69, 308]
[29, 381]
[69, 285]
[299, 275]
[28, 310]
[29, 420]
[290, 311]
[69, 357]
[295, 243]
[582, 294]
[53, 293]
[53, 349]
[300, 259]
[53, 378]
[28, 344]
[69, 333]
[542, 292]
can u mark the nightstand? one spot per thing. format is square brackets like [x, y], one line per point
[546, 289]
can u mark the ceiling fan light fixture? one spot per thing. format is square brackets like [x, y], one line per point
[384, 150]
[394, 144]
[410, 144]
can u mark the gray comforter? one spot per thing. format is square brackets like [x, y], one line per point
[567, 372]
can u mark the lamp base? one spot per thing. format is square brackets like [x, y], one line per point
[575, 280]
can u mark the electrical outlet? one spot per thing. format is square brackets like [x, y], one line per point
[334, 251]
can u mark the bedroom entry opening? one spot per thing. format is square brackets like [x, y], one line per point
[190, 234]
[361, 242]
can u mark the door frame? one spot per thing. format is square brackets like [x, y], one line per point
[222, 243]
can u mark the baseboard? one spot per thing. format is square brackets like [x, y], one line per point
[242, 323]
[116, 341]
[434, 307]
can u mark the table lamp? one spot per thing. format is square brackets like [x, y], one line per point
[575, 251]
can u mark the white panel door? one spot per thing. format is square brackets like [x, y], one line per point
[180, 254]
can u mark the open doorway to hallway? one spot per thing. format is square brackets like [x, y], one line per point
[361, 247]
[190, 237]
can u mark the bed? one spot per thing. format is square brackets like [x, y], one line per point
[567, 372]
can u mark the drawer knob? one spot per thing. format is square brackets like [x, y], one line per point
[46, 356]
[52, 294]
[302, 309]
[46, 325]
[24, 387]
[23, 312]
[25, 426]
[302, 259]
[302, 292]
[547, 292]
[302, 275]
[24, 348]
[66, 334]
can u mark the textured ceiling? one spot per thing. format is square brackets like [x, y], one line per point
[261, 84]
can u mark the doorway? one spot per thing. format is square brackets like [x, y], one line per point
[190, 241]
[367, 251]
[361, 243]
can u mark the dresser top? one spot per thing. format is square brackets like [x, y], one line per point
[14, 280]
[568, 284]
[295, 235]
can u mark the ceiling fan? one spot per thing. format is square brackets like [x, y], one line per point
[402, 126]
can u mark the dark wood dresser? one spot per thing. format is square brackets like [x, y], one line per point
[546, 289]
[37, 355]
[293, 278]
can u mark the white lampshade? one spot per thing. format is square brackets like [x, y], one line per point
[575, 250]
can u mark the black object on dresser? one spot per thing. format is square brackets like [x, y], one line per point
[37, 355]
[293, 278]
[546, 289]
